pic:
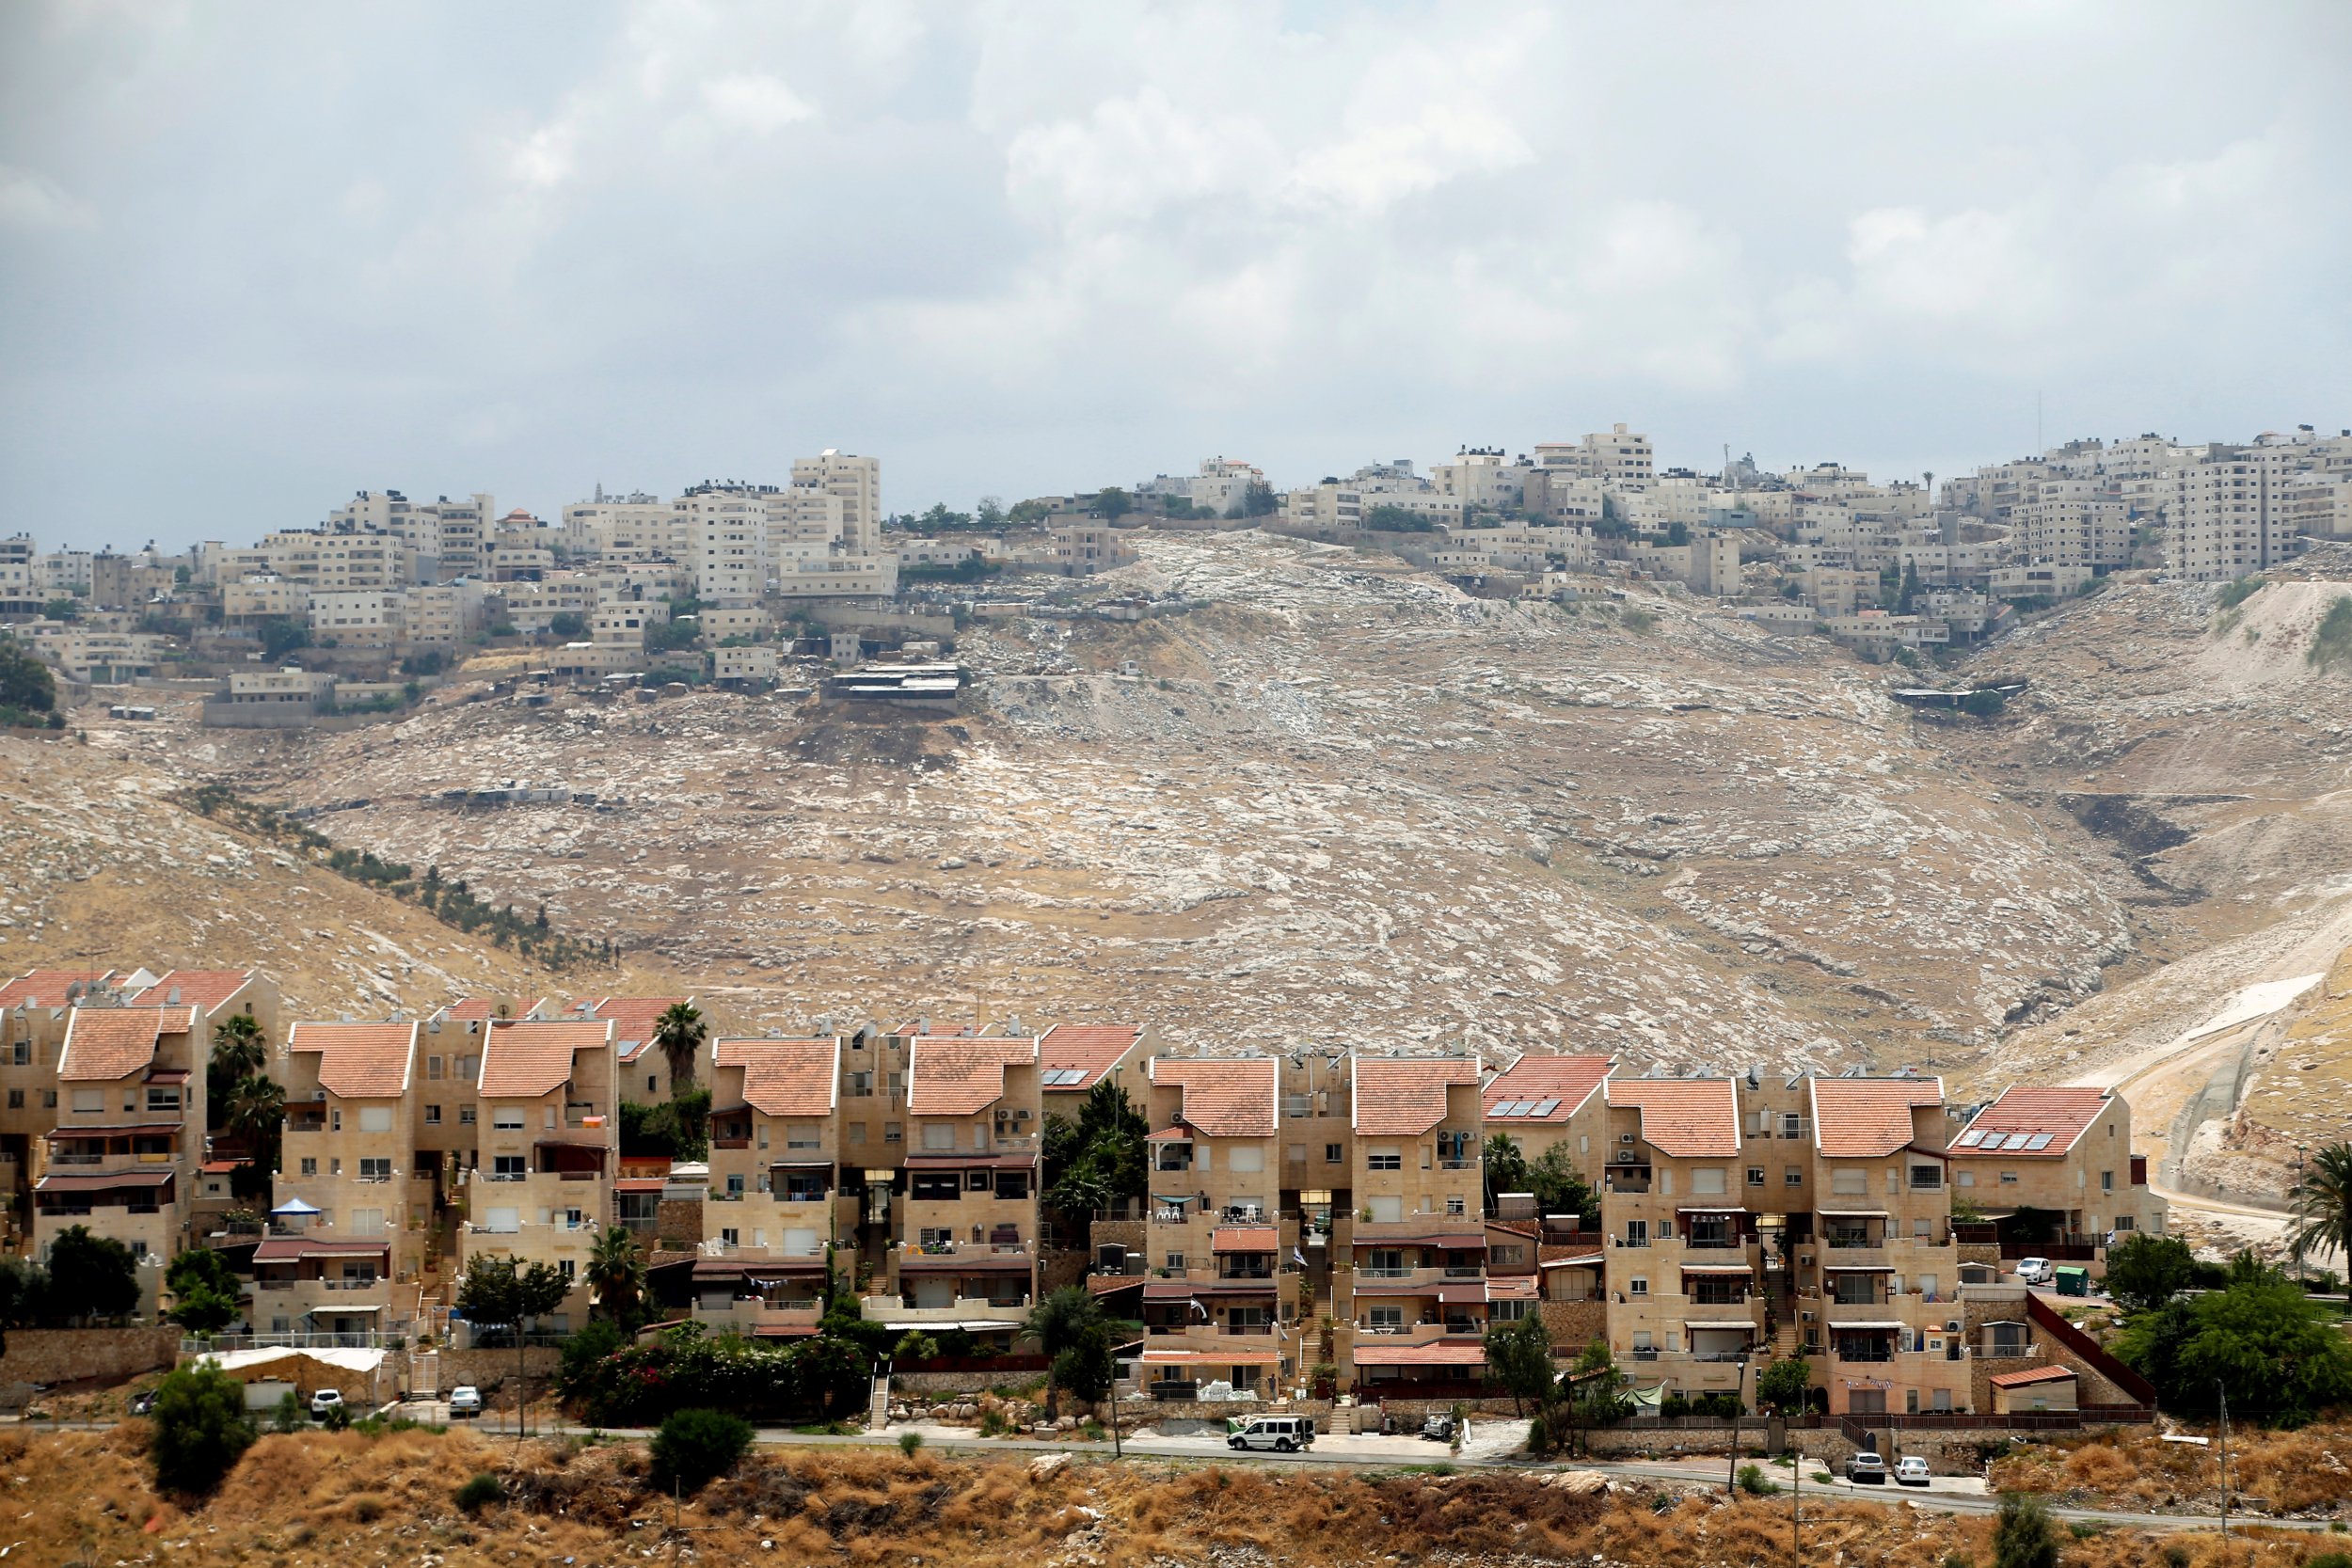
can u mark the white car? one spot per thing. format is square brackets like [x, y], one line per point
[1869, 1468]
[2035, 1271]
[326, 1401]
[1911, 1470]
[464, 1399]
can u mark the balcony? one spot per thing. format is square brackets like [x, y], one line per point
[1410, 1333]
[967, 1312]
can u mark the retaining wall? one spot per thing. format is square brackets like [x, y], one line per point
[72, 1354]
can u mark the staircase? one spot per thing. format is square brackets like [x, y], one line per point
[424, 1374]
[877, 1405]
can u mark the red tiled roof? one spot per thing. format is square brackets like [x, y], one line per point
[103, 1044]
[2062, 1113]
[633, 1019]
[358, 1061]
[1231, 1099]
[640, 1183]
[956, 1076]
[528, 1057]
[1510, 1287]
[482, 1009]
[1683, 1118]
[1404, 1096]
[2033, 1374]
[1436, 1352]
[1244, 1238]
[206, 989]
[1868, 1118]
[784, 1078]
[1087, 1048]
[46, 988]
[1534, 1079]
[291, 1249]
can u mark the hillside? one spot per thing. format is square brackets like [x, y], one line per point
[102, 867]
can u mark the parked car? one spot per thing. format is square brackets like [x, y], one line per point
[1866, 1467]
[143, 1404]
[324, 1402]
[1283, 1434]
[464, 1401]
[1438, 1429]
[2034, 1270]
[1911, 1470]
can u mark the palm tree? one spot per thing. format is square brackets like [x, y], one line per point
[2323, 1203]
[1505, 1168]
[616, 1274]
[679, 1034]
[238, 1049]
[256, 1115]
[1057, 1321]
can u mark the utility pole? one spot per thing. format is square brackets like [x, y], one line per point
[2225, 1459]
[1739, 1387]
[1796, 1507]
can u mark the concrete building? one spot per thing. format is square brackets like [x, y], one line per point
[2065, 1153]
[775, 1204]
[1415, 1297]
[538, 1185]
[359, 1221]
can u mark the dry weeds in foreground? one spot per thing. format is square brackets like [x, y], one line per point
[2303, 1472]
[349, 1500]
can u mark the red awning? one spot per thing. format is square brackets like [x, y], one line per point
[294, 1249]
[1467, 1290]
[92, 1181]
[1244, 1238]
[736, 1268]
[1437, 1352]
[640, 1184]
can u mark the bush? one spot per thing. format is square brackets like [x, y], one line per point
[2026, 1535]
[287, 1416]
[201, 1429]
[1752, 1481]
[697, 1446]
[909, 1442]
[2330, 1560]
[991, 1421]
[483, 1490]
[582, 1352]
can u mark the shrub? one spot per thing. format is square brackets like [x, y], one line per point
[991, 1421]
[697, 1445]
[2330, 1560]
[481, 1491]
[287, 1417]
[1752, 1481]
[2026, 1535]
[201, 1429]
[910, 1442]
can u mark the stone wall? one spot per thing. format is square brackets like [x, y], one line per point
[70, 1354]
[1574, 1324]
[1126, 1233]
[484, 1368]
[679, 1223]
[1062, 1266]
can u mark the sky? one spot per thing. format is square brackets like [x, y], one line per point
[256, 256]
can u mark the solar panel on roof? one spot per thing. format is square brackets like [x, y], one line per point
[2016, 1140]
[1968, 1139]
[1546, 1108]
[2039, 1141]
[1505, 1108]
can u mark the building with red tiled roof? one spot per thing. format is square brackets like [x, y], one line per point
[350, 1061]
[210, 991]
[125, 1133]
[1406, 1096]
[1417, 1240]
[1221, 1097]
[484, 1009]
[349, 1151]
[949, 1076]
[1684, 1118]
[1542, 1099]
[1074, 1057]
[51, 988]
[2063, 1150]
[1868, 1119]
[774, 1184]
[548, 1134]
[635, 1020]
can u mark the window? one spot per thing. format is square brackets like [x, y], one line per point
[1389, 1318]
[1849, 1183]
[651, 1081]
[2107, 1181]
[1791, 1125]
[1927, 1179]
[506, 1118]
[163, 1099]
[2124, 1222]
[1637, 1232]
[1964, 1178]
[1296, 1154]
[48, 1099]
[1455, 1206]
[1175, 1259]
[1507, 1311]
[506, 1167]
[939, 1136]
[548, 1117]
[861, 1085]
[1637, 1287]
[734, 1186]
[373, 1169]
[1793, 1176]
[1756, 1175]
[432, 1069]
[310, 1164]
[468, 1068]
[1708, 1181]
[893, 1132]
[432, 1115]
[1246, 1159]
[376, 1118]
[1384, 1159]
[729, 1236]
[2008, 1178]
[367, 1222]
[858, 1132]
[1333, 1154]
[465, 1116]
[88, 1102]
[16, 1100]
[1296, 1105]
[978, 1182]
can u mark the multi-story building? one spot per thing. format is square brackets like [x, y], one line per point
[129, 1133]
[726, 540]
[635, 1021]
[857, 482]
[1542, 1099]
[965, 1254]
[352, 1216]
[359, 618]
[775, 1207]
[1221, 1304]
[1415, 1294]
[539, 1185]
[2065, 1153]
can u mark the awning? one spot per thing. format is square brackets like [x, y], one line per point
[1453, 1240]
[167, 1075]
[1712, 1209]
[112, 1129]
[1184, 1290]
[1718, 1268]
[784, 1331]
[1885, 1327]
[1517, 1287]
[736, 1268]
[1732, 1326]
[1213, 1358]
[1857, 1268]
[976, 1326]
[1176, 1200]
[950, 1262]
[799, 1165]
[1169, 1135]
[1436, 1352]
[1244, 1238]
[294, 1249]
[296, 1206]
[1474, 1289]
[1581, 1261]
[1852, 1213]
[971, 1162]
[640, 1184]
[92, 1181]
[344, 1311]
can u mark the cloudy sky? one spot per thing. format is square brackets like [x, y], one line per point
[255, 256]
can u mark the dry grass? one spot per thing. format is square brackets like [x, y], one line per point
[2290, 1472]
[339, 1500]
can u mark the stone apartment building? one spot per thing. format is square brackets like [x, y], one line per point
[351, 1216]
[2066, 1153]
[1414, 1296]
[538, 1187]
[776, 1205]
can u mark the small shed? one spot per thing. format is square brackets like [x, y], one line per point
[358, 1374]
[2037, 1388]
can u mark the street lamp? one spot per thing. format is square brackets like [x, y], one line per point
[1738, 1396]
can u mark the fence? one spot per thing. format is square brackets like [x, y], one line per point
[384, 1338]
[974, 1364]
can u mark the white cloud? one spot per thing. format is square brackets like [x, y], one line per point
[31, 200]
[756, 103]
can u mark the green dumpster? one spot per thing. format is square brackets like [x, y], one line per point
[2073, 1280]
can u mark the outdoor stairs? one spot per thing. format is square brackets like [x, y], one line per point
[878, 1407]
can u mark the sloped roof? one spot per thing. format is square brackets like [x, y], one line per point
[1403, 1096]
[1089, 1049]
[293, 1249]
[1244, 1238]
[1866, 1118]
[1226, 1099]
[524, 1058]
[1434, 1352]
[786, 1078]
[1683, 1118]
[358, 1061]
[1565, 1082]
[482, 1009]
[959, 1076]
[2052, 1373]
[46, 988]
[2056, 1117]
[103, 1044]
[633, 1019]
[205, 989]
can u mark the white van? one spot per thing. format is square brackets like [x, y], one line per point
[1283, 1434]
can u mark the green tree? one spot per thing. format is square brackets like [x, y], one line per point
[91, 1275]
[1257, 499]
[568, 624]
[498, 1291]
[205, 1291]
[2274, 1352]
[23, 1295]
[2323, 1203]
[1600, 1387]
[693, 1447]
[2027, 1536]
[61, 610]
[1785, 1384]
[1098, 1158]
[1029, 513]
[989, 513]
[26, 685]
[2147, 1270]
[1907, 599]
[1113, 502]
[1984, 702]
[1518, 1352]
[281, 636]
[678, 1033]
[1505, 1168]
[1388, 517]
[200, 1429]
[616, 1276]
[256, 1116]
[1087, 1368]
[1560, 1188]
[1057, 1321]
[915, 1345]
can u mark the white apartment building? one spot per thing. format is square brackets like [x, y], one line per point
[1482, 477]
[61, 573]
[728, 540]
[635, 526]
[1616, 456]
[359, 619]
[449, 538]
[2073, 522]
[263, 598]
[857, 481]
[447, 612]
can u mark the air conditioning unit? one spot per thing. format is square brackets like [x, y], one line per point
[1625, 1138]
[1805, 1317]
[1021, 1116]
[1805, 1259]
